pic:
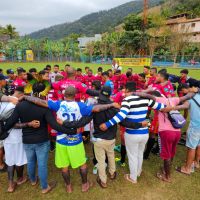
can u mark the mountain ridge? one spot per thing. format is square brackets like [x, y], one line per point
[86, 25]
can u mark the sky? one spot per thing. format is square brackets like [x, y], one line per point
[32, 15]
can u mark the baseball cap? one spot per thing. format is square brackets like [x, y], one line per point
[10, 71]
[105, 93]
[2, 77]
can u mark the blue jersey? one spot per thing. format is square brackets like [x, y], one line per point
[70, 111]
[110, 84]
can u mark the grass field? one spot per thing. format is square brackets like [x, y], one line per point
[193, 72]
[148, 187]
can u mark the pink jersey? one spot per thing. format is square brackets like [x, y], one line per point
[79, 78]
[118, 97]
[99, 78]
[167, 90]
[88, 80]
[19, 82]
[151, 80]
[62, 85]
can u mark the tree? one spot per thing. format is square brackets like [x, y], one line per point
[11, 31]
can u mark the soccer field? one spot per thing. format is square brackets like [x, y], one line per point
[195, 73]
[148, 187]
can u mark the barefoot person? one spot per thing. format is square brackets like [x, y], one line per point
[36, 141]
[15, 156]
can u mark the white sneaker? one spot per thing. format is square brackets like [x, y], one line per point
[95, 169]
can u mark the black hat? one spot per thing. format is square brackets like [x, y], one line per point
[105, 93]
[10, 71]
[2, 77]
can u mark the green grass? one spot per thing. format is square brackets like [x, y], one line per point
[148, 187]
[195, 73]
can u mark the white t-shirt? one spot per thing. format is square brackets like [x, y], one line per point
[15, 136]
[52, 76]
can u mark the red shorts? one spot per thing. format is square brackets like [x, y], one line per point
[169, 141]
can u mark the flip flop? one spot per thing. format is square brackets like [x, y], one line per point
[178, 169]
[24, 180]
[52, 185]
[162, 178]
[89, 185]
[127, 177]
[13, 189]
[100, 183]
[36, 181]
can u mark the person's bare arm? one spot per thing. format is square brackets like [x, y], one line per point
[186, 97]
[9, 99]
[99, 108]
[34, 124]
[36, 101]
[145, 95]
[184, 106]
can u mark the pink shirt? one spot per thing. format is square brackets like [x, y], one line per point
[19, 82]
[62, 85]
[164, 123]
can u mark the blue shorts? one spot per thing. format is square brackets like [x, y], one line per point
[193, 138]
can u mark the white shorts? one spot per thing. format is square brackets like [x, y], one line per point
[15, 154]
[1, 143]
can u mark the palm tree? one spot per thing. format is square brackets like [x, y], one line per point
[11, 31]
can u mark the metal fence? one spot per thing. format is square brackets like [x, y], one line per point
[189, 61]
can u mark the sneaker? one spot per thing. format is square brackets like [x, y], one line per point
[95, 169]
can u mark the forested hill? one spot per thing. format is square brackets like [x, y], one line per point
[91, 24]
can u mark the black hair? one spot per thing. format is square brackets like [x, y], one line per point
[96, 84]
[100, 69]
[48, 67]
[118, 71]
[164, 75]
[20, 89]
[32, 70]
[29, 77]
[43, 72]
[90, 70]
[38, 87]
[142, 75]
[110, 70]
[56, 66]
[183, 86]
[147, 67]
[1, 70]
[130, 69]
[67, 65]
[105, 73]
[20, 71]
[128, 74]
[79, 70]
[184, 71]
[87, 68]
[131, 86]
[154, 68]
[163, 70]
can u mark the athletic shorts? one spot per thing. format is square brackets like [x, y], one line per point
[193, 138]
[73, 156]
[168, 142]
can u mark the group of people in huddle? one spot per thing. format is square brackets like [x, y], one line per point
[61, 110]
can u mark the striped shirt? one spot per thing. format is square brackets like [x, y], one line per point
[135, 109]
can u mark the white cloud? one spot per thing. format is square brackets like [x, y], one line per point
[28, 16]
